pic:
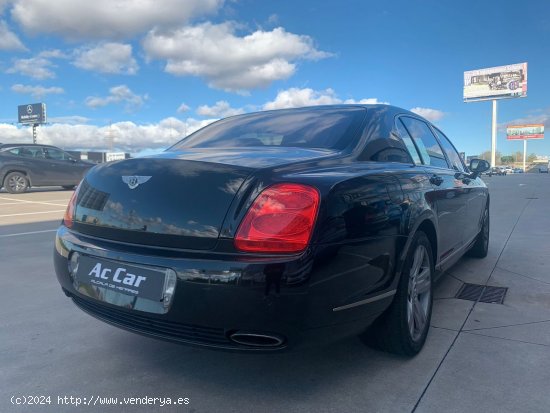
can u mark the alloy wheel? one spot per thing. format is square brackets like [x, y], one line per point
[419, 293]
[17, 183]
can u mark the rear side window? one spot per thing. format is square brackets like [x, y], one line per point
[406, 138]
[308, 128]
[27, 152]
[425, 141]
[452, 154]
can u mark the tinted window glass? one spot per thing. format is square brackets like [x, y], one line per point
[452, 154]
[56, 154]
[318, 128]
[426, 142]
[27, 152]
[384, 153]
[408, 142]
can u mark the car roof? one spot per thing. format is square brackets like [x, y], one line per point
[15, 145]
[378, 107]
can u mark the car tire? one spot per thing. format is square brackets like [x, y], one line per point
[16, 183]
[480, 248]
[68, 187]
[403, 328]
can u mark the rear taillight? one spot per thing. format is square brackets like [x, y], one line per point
[69, 213]
[280, 220]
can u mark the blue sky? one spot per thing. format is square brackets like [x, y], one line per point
[144, 74]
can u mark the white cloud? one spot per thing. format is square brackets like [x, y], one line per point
[273, 19]
[70, 119]
[117, 94]
[8, 39]
[433, 115]
[107, 58]
[38, 67]
[106, 19]
[128, 136]
[53, 54]
[221, 109]
[3, 3]
[37, 91]
[35, 67]
[367, 101]
[228, 61]
[540, 116]
[183, 108]
[296, 97]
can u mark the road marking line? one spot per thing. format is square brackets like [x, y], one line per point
[27, 233]
[34, 202]
[31, 213]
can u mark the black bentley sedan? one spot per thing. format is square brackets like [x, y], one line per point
[271, 230]
[25, 165]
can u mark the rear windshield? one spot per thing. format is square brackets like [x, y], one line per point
[307, 128]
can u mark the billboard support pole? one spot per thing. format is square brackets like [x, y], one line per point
[34, 132]
[494, 134]
[524, 153]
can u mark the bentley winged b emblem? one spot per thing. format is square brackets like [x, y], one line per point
[135, 180]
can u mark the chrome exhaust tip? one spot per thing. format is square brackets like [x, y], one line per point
[257, 339]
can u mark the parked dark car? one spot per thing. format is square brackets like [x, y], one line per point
[26, 165]
[271, 230]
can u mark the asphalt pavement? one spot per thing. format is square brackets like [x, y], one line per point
[478, 357]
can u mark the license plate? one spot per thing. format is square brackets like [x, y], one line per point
[128, 279]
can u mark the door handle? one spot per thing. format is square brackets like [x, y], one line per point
[436, 180]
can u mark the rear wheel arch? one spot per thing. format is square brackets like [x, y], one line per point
[20, 170]
[428, 228]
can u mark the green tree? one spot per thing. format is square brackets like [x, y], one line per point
[486, 155]
[532, 157]
[507, 159]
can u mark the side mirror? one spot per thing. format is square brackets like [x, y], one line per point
[477, 166]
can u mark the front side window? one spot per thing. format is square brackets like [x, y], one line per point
[425, 141]
[56, 154]
[452, 154]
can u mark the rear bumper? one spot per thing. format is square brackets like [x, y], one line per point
[306, 299]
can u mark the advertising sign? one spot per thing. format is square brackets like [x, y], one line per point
[114, 156]
[33, 113]
[496, 83]
[520, 132]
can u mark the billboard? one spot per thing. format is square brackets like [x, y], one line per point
[114, 156]
[496, 83]
[521, 132]
[31, 113]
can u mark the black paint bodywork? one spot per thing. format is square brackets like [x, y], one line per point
[186, 217]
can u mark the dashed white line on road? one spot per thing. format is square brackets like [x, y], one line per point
[31, 213]
[34, 202]
[27, 233]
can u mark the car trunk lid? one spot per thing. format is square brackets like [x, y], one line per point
[176, 199]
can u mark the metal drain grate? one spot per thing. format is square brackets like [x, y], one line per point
[531, 198]
[482, 293]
